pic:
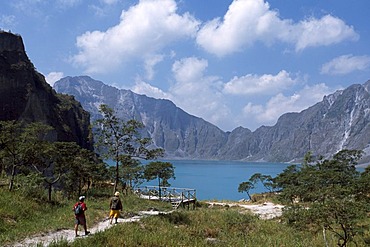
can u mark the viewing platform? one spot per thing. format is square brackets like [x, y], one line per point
[176, 196]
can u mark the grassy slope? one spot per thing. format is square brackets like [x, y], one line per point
[217, 226]
[21, 217]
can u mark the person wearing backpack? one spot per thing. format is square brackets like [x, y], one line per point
[79, 209]
[115, 206]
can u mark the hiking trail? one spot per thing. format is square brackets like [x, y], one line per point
[69, 234]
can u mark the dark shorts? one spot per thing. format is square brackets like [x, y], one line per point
[80, 220]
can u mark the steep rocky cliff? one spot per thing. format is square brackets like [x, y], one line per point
[25, 96]
[340, 121]
[180, 134]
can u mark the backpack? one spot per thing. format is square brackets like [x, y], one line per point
[115, 203]
[78, 209]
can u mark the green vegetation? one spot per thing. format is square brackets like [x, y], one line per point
[327, 202]
[30, 154]
[44, 176]
[216, 226]
[121, 141]
[201, 227]
[162, 171]
[22, 216]
[247, 186]
[27, 155]
[327, 195]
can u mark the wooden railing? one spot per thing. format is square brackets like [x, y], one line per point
[170, 194]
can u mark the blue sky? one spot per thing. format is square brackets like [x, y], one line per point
[232, 63]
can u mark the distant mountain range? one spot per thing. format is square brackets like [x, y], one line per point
[340, 121]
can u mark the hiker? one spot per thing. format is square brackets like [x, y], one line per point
[79, 208]
[115, 206]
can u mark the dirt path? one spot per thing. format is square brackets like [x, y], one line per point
[69, 234]
[267, 210]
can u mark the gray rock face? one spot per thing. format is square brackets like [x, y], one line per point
[180, 134]
[25, 96]
[340, 121]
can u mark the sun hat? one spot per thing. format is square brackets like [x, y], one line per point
[116, 194]
[81, 198]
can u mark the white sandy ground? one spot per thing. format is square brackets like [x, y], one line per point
[265, 211]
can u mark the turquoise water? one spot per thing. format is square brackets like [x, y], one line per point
[219, 179]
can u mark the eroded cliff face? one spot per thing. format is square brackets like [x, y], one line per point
[26, 96]
[179, 133]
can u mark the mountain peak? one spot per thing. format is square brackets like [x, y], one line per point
[11, 42]
[367, 86]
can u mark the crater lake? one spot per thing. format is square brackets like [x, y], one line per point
[219, 180]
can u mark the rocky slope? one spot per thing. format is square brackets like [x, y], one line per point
[25, 96]
[340, 121]
[180, 134]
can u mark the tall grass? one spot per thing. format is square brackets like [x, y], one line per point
[204, 227]
[21, 217]
[217, 226]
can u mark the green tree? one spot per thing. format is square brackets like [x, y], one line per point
[63, 163]
[246, 187]
[287, 182]
[23, 148]
[79, 167]
[11, 148]
[163, 171]
[330, 195]
[27, 150]
[119, 140]
[363, 185]
[265, 180]
[133, 172]
[39, 153]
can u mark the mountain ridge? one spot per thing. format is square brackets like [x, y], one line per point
[340, 121]
[179, 133]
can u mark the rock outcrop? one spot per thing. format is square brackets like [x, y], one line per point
[25, 96]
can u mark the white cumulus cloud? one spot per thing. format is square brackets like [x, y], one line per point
[144, 29]
[279, 104]
[150, 62]
[346, 64]
[52, 77]
[321, 32]
[197, 93]
[201, 95]
[192, 91]
[141, 87]
[189, 70]
[248, 21]
[255, 84]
